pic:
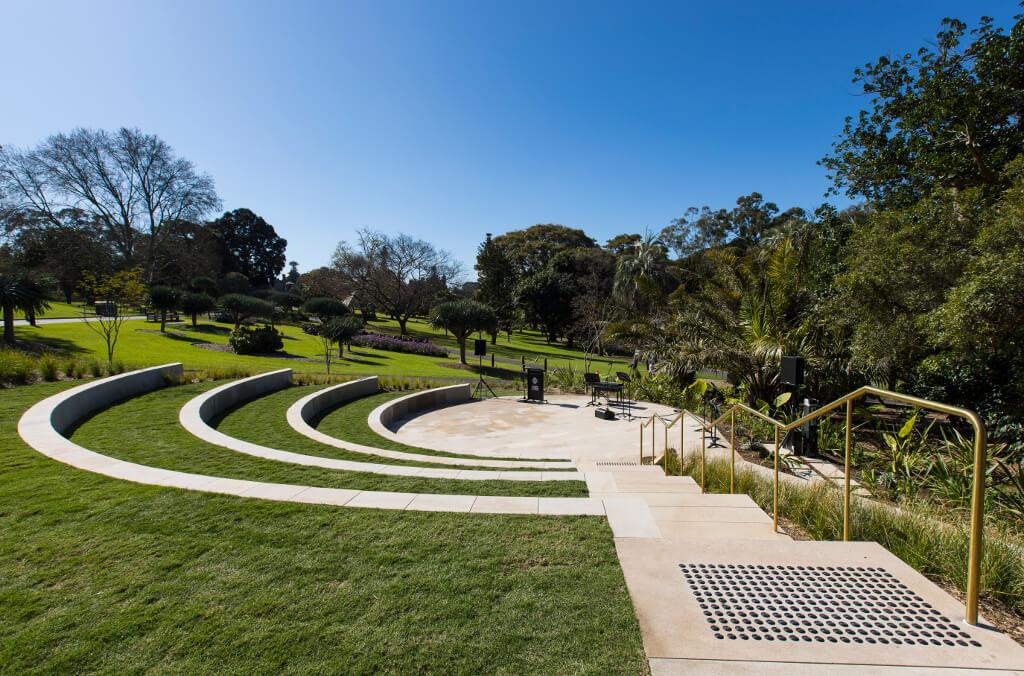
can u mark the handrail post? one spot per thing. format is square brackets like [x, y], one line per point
[666, 446]
[977, 520]
[641, 444]
[654, 449]
[732, 449]
[682, 439]
[775, 486]
[846, 471]
[703, 446]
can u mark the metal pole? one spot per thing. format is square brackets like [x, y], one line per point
[682, 439]
[977, 520]
[732, 448]
[653, 447]
[703, 446]
[641, 443]
[846, 472]
[775, 499]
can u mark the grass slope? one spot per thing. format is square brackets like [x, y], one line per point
[104, 575]
[262, 421]
[145, 430]
[349, 422]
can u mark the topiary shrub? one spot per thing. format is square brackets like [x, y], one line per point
[255, 340]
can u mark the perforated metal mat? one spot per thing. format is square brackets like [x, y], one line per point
[822, 604]
[616, 463]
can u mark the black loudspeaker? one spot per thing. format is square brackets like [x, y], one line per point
[604, 413]
[479, 348]
[792, 371]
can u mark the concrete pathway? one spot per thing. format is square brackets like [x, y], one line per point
[67, 320]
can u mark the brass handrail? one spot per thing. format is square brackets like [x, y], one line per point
[977, 489]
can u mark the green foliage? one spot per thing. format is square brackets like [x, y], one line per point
[255, 339]
[194, 303]
[234, 282]
[19, 291]
[249, 245]
[325, 307]
[242, 307]
[462, 318]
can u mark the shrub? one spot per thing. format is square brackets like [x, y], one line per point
[48, 368]
[255, 339]
[15, 366]
[325, 307]
[194, 303]
[381, 342]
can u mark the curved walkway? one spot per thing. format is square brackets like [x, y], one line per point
[309, 407]
[42, 427]
[196, 414]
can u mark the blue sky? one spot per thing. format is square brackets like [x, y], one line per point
[449, 120]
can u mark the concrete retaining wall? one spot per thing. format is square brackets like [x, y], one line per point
[317, 403]
[237, 392]
[82, 401]
[384, 416]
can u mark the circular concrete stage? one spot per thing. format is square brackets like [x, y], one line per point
[565, 427]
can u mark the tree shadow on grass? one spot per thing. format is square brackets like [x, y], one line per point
[52, 343]
[204, 328]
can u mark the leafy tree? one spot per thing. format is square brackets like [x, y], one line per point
[120, 292]
[621, 244]
[946, 117]
[18, 291]
[164, 299]
[287, 300]
[461, 318]
[234, 282]
[194, 303]
[342, 330]
[496, 281]
[531, 250]
[63, 252]
[244, 307]
[641, 275]
[130, 184]
[324, 308]
[249, 245]
[324, 282]
[205, 285]
[397, 274]
[547, 300]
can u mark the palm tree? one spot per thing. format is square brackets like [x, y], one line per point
[641, 275]
[463, 317]
[18, 291]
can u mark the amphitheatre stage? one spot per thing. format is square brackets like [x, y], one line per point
[715, 587]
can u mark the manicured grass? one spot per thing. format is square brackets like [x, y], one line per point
[142, 344]
[105, 575]
[348, 422]
[531, 344]
[58, 310]
[145, 430]
[262, 421]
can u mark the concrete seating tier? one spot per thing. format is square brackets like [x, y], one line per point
[305, 410]
[196, 415]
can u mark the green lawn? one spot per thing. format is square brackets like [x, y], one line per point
[349, 422]
[103, 575]
[145, 430]
[142, 344]
[58, 310]
[262, 421]
[530, 344]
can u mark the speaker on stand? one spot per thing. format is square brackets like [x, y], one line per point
[480, 351]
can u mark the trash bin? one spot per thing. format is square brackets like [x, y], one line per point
[534, 384]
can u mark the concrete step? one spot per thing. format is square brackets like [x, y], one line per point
[723, 515]
[685, 499]
[681, 530]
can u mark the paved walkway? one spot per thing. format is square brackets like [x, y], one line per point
[67, 320]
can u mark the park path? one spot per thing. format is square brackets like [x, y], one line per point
[66, 320]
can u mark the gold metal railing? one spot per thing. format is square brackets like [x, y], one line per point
[977, 489]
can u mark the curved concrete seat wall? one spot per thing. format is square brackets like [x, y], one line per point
[301, 414]
[41, 427]
[196, 415]
[384, 416]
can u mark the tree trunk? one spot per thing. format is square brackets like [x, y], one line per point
[462, 350]
[494, 337]
[195, 320]
[401, 324]
[9, 323]
[163, 321]
[30, 315]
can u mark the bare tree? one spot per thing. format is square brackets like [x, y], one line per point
[131, 183]
[398, 275]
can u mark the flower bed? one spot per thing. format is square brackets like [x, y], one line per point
[410, 346]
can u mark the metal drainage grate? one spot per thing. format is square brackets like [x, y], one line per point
[616, 463]
[822, 604]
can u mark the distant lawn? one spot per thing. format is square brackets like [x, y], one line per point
[58, 310]
[145, 430]
[142, 344]
[106, 575]
[263, 421]
[349, 422]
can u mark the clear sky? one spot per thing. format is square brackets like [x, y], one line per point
[449, 120]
